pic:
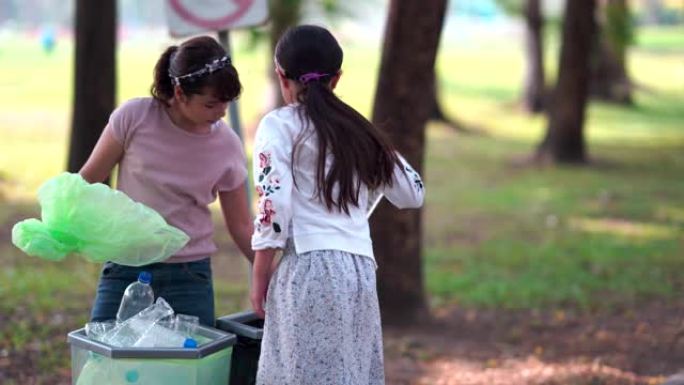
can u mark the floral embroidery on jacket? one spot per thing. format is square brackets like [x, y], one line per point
[266, 213]
[265, 161]
[417, 182]
[267, 186]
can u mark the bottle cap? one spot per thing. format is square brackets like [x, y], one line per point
[145, 277]
[190, 343]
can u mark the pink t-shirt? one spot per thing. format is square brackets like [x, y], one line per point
[176, 172]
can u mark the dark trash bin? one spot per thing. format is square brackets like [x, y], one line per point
[249, 330]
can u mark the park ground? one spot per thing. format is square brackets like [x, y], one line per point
[534, 274]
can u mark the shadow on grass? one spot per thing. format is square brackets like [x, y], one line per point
[628, 345]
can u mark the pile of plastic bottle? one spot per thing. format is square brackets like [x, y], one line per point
[143, 323]
[140, 323]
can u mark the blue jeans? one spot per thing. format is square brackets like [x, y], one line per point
[187, 287]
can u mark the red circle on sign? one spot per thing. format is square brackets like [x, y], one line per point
[221, 22]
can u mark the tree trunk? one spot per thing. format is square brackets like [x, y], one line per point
[564, 140]
[533, 94]
[609, 80]
[283, 15]
[402, 107]
[95, 77]
[437, 113]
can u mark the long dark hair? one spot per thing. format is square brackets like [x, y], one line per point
[361, 154]
[190, 56]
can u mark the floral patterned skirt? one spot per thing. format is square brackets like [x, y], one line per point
[322, 322]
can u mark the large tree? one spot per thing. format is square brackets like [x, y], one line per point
[402, 106]
[283, 15]
[534, 88]
[609, 79]
[95, 74]
[564, 140]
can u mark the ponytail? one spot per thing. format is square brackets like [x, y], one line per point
[162, 88]
[361, 153]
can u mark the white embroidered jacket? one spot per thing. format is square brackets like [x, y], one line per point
[289, 211]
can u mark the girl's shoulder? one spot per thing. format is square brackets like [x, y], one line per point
[281, 123]
[128, 117]
[285, 113]
[136, 106]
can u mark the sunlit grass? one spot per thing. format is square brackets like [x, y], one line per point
[661, 39]
[624, 228]
[504, 235]
[496, 232]
[670, 214]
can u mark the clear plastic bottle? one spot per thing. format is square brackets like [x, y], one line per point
[138, 296]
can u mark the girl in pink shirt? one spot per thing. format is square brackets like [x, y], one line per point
[176, 155]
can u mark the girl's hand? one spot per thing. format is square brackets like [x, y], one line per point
[258, 295]
[261, 275]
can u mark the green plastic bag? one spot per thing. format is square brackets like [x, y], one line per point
[96, 222]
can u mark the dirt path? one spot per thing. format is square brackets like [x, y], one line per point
[526, 347]
[467, 347]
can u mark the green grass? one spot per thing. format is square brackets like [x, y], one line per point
[611, 233]
[661, 39]
[515, 236]
[496, 232]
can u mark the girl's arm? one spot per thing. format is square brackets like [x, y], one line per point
[407, 190]
[274, 184]
[261, 275]
[238, 219]
[106, 154]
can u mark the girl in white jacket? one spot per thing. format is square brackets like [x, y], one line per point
[317, 160]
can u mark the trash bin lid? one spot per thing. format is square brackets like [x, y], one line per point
[238, 324]
[219, 340]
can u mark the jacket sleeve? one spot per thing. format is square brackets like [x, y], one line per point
[273, 184]
[407, 189]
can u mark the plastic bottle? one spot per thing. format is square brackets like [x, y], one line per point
[140, 330]
[137, 297]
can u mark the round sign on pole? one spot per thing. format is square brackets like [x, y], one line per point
[191, 17]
